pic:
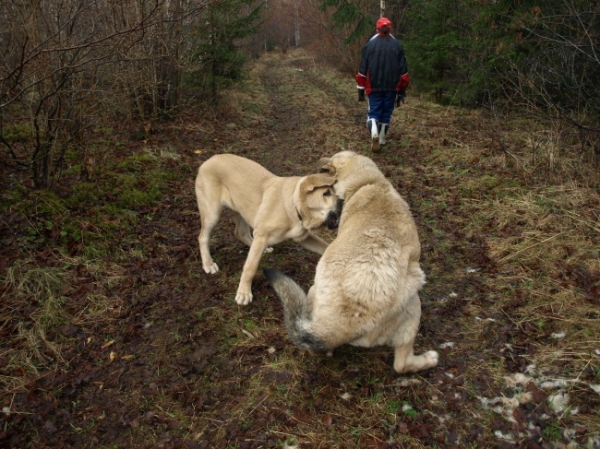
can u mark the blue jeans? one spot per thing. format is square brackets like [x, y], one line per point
[381, 106]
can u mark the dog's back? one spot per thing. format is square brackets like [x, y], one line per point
[236, 172]
[232, 181]
[374, 263]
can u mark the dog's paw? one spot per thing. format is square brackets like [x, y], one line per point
[415, 363]
[432, 358]
[211, 268]
[268, 249]
[243, 299]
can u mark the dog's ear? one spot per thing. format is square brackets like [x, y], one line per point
[317, 180]
[325, 166]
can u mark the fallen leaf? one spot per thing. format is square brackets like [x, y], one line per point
[247, 333]
[107, 344]
[327, 419]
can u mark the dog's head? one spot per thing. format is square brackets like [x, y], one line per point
[351, 170]
[317, 204]
[334, 165]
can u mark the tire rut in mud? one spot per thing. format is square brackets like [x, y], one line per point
[287, 118]
[305, 112]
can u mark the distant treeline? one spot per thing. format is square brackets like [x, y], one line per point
[70, 66]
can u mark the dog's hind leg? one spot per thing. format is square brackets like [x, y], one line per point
[209, 216]
[243, 232]
[405, 361]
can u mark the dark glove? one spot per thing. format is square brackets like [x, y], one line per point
[361, 95]
[400, 98]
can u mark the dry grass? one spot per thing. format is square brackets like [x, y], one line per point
[30, 351]
[534, 202]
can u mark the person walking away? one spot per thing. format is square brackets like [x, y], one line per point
[383, 77]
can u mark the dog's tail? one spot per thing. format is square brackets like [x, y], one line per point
[297, 311]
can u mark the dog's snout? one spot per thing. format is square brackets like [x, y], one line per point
[333, 220]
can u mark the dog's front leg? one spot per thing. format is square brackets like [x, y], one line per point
[315, 244]
[244, 292]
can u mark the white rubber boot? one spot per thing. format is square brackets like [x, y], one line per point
[374, 130]
[382, 132]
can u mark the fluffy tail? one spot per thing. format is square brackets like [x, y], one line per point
[297, 311]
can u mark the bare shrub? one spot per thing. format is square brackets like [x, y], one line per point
[65, 64]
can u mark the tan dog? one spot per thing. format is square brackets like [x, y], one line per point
[268, 210]
[366, 286]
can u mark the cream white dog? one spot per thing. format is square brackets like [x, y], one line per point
[268, 210]
[366, 286]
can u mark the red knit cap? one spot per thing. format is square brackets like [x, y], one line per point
[383, 22]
